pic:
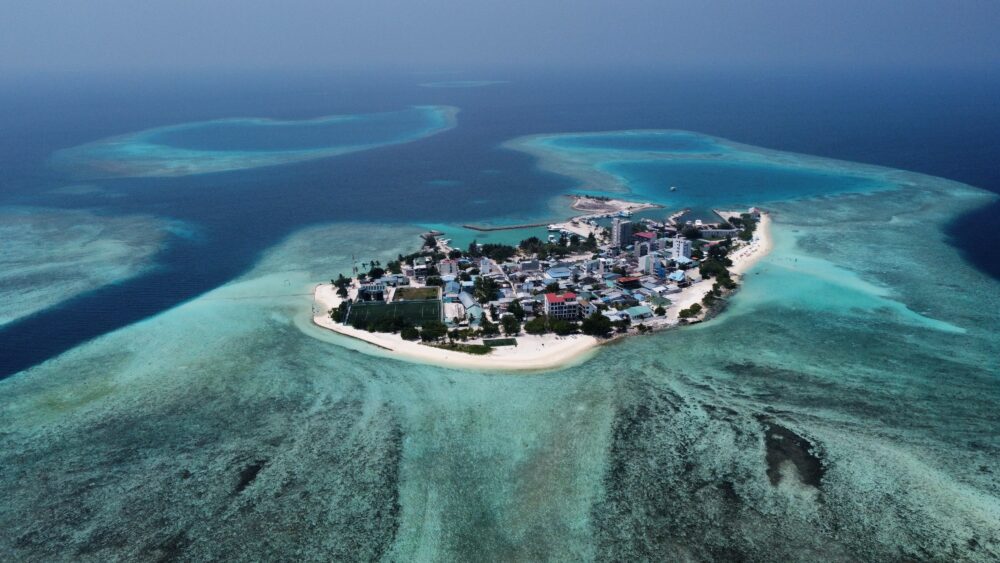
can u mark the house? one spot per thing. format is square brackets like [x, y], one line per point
[677, 277]
[645, 237]
[638, 313]
[472, 309]
[420, 266]
[647, 263]
[588, 307]
[681, 247]
[486, 266]
[558, 273]
[372, 291]
[448, 267]
[628, 282]
[563, 306]
[529, 266]
[451, 291]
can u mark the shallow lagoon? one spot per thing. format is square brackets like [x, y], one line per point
[238, 144]
[842, 408]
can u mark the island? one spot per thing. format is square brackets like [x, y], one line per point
[546, 303]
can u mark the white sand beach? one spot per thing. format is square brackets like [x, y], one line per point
[743, 259]
[761, 245]
[532, 353]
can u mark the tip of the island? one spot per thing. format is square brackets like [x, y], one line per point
[546, 304]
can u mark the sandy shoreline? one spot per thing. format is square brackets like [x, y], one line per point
[533, 353]
[761, 245]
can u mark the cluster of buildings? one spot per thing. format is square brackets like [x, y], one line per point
[634, 272]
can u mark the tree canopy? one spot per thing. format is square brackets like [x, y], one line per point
[596, 325]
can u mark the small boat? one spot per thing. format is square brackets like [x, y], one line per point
[673, 188]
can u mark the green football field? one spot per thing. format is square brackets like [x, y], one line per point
[417, 312]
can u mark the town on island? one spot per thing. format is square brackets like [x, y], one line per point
[546, 303]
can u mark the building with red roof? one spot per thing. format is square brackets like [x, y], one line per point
[563, 306]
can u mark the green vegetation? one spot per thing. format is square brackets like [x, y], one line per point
[691, 232]
[542, 324]
[415, 294]
[340, 313]
[537, 325]
[597, 325]
[660, 311]
[691, 311]
[563, 327]
[414, 313]
[749, 226]
[498, 252]
[409, 333]
[497, 342]
[433, 330]
[511, 326]
[475, 349]
[516, 309]
[462, 334]
[485, 289]
[709, 300]
[488, 328]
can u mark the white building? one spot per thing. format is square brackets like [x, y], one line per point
[448, 267]
[647, 263]
[563, 306]
[486, 266]
[681, 247]
[621, 233]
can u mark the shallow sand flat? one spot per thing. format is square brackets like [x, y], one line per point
[145, 154]
[49, 256]
[218, 430]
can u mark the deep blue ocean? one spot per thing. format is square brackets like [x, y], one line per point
[940, 123]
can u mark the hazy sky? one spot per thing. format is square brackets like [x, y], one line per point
[200, 34]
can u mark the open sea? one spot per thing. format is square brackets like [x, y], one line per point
[164, 394]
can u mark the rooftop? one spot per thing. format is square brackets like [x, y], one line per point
[553, 298]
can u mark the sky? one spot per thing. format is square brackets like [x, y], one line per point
[102, 35]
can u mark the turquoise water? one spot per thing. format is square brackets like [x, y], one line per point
[238, 144]
[706, 171]
[657, 445]
[652, 141]
[842, 408]
[702, 185]
[82, 251]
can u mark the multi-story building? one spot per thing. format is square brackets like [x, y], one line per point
[647, 263]
[621, 233]
[448, 267]
[486, 266]
[563, 306]
[681, 247]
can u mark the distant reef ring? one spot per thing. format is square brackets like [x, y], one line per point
[224, 145]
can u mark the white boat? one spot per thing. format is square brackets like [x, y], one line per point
[673, 188]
